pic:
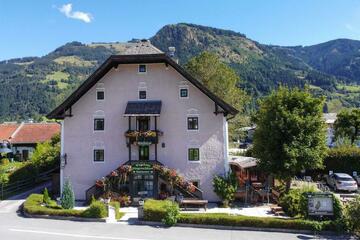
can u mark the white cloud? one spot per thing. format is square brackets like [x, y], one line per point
[67, 10]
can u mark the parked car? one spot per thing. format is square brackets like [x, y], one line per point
[342, 181]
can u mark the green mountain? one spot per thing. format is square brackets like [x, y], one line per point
[32, 86]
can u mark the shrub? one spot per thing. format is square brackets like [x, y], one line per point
[172, 214]
[97, 209]
[155, 210]
[4, 161]
[225, 187]
[260, 222]
[46, 197]
[294, 202]
[33, 206]
[351, 215]
[343, 159]
[47, 154]
[4, 178]
[67, 196]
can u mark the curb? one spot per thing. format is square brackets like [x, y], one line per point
[221, 227]
[77, 219]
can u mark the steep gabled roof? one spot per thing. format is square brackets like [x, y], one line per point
[115, 60]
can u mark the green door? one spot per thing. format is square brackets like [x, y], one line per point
[143, 153]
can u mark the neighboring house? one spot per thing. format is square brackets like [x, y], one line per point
[330, 119]
[141, 109]
[24, 137]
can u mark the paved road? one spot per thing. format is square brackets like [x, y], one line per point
[16, 227]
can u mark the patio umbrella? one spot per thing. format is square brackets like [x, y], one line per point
[4, 148]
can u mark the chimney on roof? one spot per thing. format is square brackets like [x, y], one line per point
[171, 53]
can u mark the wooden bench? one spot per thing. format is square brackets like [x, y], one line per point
[194, 202]
[277, 211]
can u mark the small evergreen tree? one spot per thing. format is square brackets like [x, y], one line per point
[46, 197]
[67, 196]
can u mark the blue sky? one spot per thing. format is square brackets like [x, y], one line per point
[34, 28]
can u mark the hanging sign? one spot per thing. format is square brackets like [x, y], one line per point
[142, 167]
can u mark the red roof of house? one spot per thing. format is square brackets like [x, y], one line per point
[7, 129]
[28, 132]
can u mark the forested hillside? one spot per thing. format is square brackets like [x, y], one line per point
[32, 86]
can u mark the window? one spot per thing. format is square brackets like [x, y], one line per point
[98, 155]
[142, 94]
[142, 68]
[196, 183]
[99, 124]
[193, 123]
[100, 95]
[143, 123]
[193, 154]
[184, 92]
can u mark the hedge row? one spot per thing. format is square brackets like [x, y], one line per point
[154, 210]
[343, 159]
[259, 222]
[33, 205]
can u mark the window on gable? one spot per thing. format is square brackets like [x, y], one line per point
[142, 68]
[142, 94]
[99, 155]
[193, 154]
[193, 123]
[100, 95]
[184, 92]
[99, 124]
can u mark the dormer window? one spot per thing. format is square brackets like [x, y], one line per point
[142, 68]
[142, 94]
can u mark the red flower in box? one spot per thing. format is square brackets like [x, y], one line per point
[191, 188]
[114, 174]
[125, 169]
[99, 183]
[173, 173]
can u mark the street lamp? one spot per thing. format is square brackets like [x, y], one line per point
[5, 147]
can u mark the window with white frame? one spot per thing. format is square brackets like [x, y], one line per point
[184, 92]
[142, 94]
[99, 124]
[194, 154]
[100, 94]
[193, 123]
[99, 155]
[142, 68]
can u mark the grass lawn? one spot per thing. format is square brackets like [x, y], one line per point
[74, 60]
[334, 105]
[57, 76]
[349, 88]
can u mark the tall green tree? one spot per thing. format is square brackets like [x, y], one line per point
[223, 81]
[290, 133]
[347, 125]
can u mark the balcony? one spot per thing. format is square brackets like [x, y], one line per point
[143, 137]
